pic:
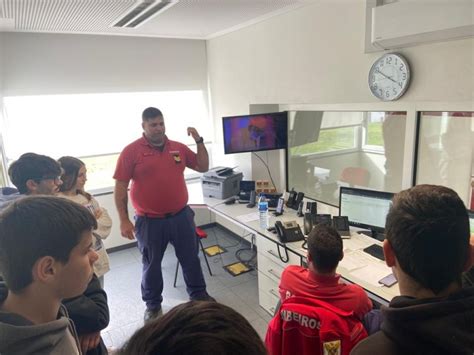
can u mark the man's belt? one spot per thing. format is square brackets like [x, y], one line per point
[160, 216]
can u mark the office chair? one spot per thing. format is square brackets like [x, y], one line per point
[355, 176]
[201, 234]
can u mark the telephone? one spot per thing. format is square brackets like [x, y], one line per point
[288, 231]
[291, 199]
[341, 224]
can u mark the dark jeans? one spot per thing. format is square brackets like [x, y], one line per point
[153, 235]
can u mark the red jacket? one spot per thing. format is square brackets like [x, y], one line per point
[310, 326]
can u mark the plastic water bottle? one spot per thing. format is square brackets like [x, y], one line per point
[263, 212]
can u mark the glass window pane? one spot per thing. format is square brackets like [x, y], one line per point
[321, 160]
[96, 127]
[445, 151]
[374, 129]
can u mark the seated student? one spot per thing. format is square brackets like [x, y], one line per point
[196, 328]
[320, 280]
[45, 257]
[32, 174]
[428, 248]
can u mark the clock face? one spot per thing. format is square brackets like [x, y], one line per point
[389, 77]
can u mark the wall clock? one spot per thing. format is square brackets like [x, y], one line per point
[389, 77]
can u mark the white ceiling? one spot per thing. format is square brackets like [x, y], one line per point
[196, 19]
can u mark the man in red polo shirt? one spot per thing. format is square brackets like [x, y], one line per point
[320, 280]
[155, 165]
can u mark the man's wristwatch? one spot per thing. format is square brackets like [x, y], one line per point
[200, 140]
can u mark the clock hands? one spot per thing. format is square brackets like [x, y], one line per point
[384, 75]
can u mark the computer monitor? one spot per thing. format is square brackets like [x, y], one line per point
[365, 208]
[471, 221]
[252, 133]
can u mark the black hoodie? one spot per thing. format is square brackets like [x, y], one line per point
[425, 326]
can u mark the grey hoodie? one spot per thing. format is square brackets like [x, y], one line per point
[6, 199]
[19, 336]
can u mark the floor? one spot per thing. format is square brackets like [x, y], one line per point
[122, 284]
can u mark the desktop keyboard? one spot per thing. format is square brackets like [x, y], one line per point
[375, 250]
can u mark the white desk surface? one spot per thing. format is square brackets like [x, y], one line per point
[357, 266]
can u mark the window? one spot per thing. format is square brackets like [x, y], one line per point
[445, 152]
[96, 127]
[373, 131]
[332, 149]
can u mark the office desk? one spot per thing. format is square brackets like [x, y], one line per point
[356, 267]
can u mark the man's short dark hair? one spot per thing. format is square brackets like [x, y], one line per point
[428, 229]
[196, 328]
[151, 113]
[31, 166]
[325, 248]
[38, 226]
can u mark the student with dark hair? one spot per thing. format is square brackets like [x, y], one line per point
[74, 179]
[319, 279]
[32, 174]
[35, 174]
[428, 248]
[45, 257]
[196, 328]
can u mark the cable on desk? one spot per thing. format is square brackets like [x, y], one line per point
[286, 253]
[266, 165]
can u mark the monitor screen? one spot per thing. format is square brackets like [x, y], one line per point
[365, 208]
[471, 221]
[251, 133]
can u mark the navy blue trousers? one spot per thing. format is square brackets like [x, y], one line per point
[153, 235]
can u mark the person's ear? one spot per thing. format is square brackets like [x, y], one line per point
[470, 256]
[31, 185]
[143, 125]
[390, 257]
[45, 269]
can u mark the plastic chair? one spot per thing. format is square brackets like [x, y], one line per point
[201, 234]
[355, 176]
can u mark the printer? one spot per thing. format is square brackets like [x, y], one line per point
[221, 182]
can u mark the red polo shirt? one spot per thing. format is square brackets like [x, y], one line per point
[299, 281]
[158, 184]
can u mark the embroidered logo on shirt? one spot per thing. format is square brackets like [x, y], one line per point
[176, 157]
[332, 347]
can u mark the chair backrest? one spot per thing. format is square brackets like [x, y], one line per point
[355, 176]
[310, 326]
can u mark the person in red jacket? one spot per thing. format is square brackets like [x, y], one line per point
[319, 279]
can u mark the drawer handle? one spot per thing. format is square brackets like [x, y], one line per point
[272, 253]
[271, 272]
[274, 293]
[272, 310]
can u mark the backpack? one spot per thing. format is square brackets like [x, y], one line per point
[309, 326]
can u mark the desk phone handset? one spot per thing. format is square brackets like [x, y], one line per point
[288, 231]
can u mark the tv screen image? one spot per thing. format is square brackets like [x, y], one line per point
[252, 133]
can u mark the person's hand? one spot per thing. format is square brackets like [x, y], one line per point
[89, 341]
[126, 229]
[192, 132]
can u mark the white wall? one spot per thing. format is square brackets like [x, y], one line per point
[36, 64]
[315, 55]
[62, 64]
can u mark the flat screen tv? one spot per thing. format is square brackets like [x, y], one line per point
[253, 133]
